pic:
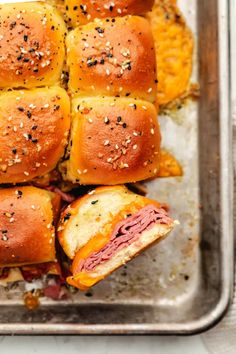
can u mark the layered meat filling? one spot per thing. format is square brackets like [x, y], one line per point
[125, 233]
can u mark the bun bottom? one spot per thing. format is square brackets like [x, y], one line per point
[85, 280]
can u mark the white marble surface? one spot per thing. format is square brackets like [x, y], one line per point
[102, 345]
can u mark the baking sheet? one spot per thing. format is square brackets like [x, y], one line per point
[182, 285]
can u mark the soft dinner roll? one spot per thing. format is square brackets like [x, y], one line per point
[27, 232]
[113, 141]
[113, 57]
[33, 132]
[121, 225]
[80, 12]
[31, 45]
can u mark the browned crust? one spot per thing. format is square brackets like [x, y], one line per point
[81, 12]
[113, 57]
[31, 45]
[114, 141]
[33, 128]
[27, 232]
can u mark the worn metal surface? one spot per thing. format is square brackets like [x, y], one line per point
[183, 285]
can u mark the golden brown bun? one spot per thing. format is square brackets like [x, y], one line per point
[113, 141]
[33, 132]
[113, 57]
[80, 12]
[27, 233]
[102, 210]
[31, 45]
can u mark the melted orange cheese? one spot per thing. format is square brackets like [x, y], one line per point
[84, 280]
[169, 166]
[174, 50]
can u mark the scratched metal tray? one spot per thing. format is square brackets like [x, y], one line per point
[184, 284]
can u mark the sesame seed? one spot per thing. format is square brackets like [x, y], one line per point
[79, 172]
[85, 171]
[91, 192]
[135, 147]
[90, 120]
[150, 90]
[106, 142]
[152, 131]
[26, 173]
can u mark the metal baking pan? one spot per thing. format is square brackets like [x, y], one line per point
[184, 284]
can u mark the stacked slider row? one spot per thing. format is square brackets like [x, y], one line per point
[114, 135]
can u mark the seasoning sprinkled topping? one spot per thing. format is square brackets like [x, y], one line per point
[94, 202]
[67, 217]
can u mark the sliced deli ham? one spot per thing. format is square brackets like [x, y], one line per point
[126, 232]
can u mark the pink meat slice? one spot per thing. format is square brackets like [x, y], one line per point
[125, 233]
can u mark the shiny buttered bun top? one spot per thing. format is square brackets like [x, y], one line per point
[80, 12]
[34, 127]
[112, 141]
[121, 225]
[27, 231]
[32, 46]
[113, 57]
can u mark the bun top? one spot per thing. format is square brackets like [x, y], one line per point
[99, 209]
[113, 141]
[33, 132]
[27, 233]
[81, 12]
[113, 57]
[31, 45]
